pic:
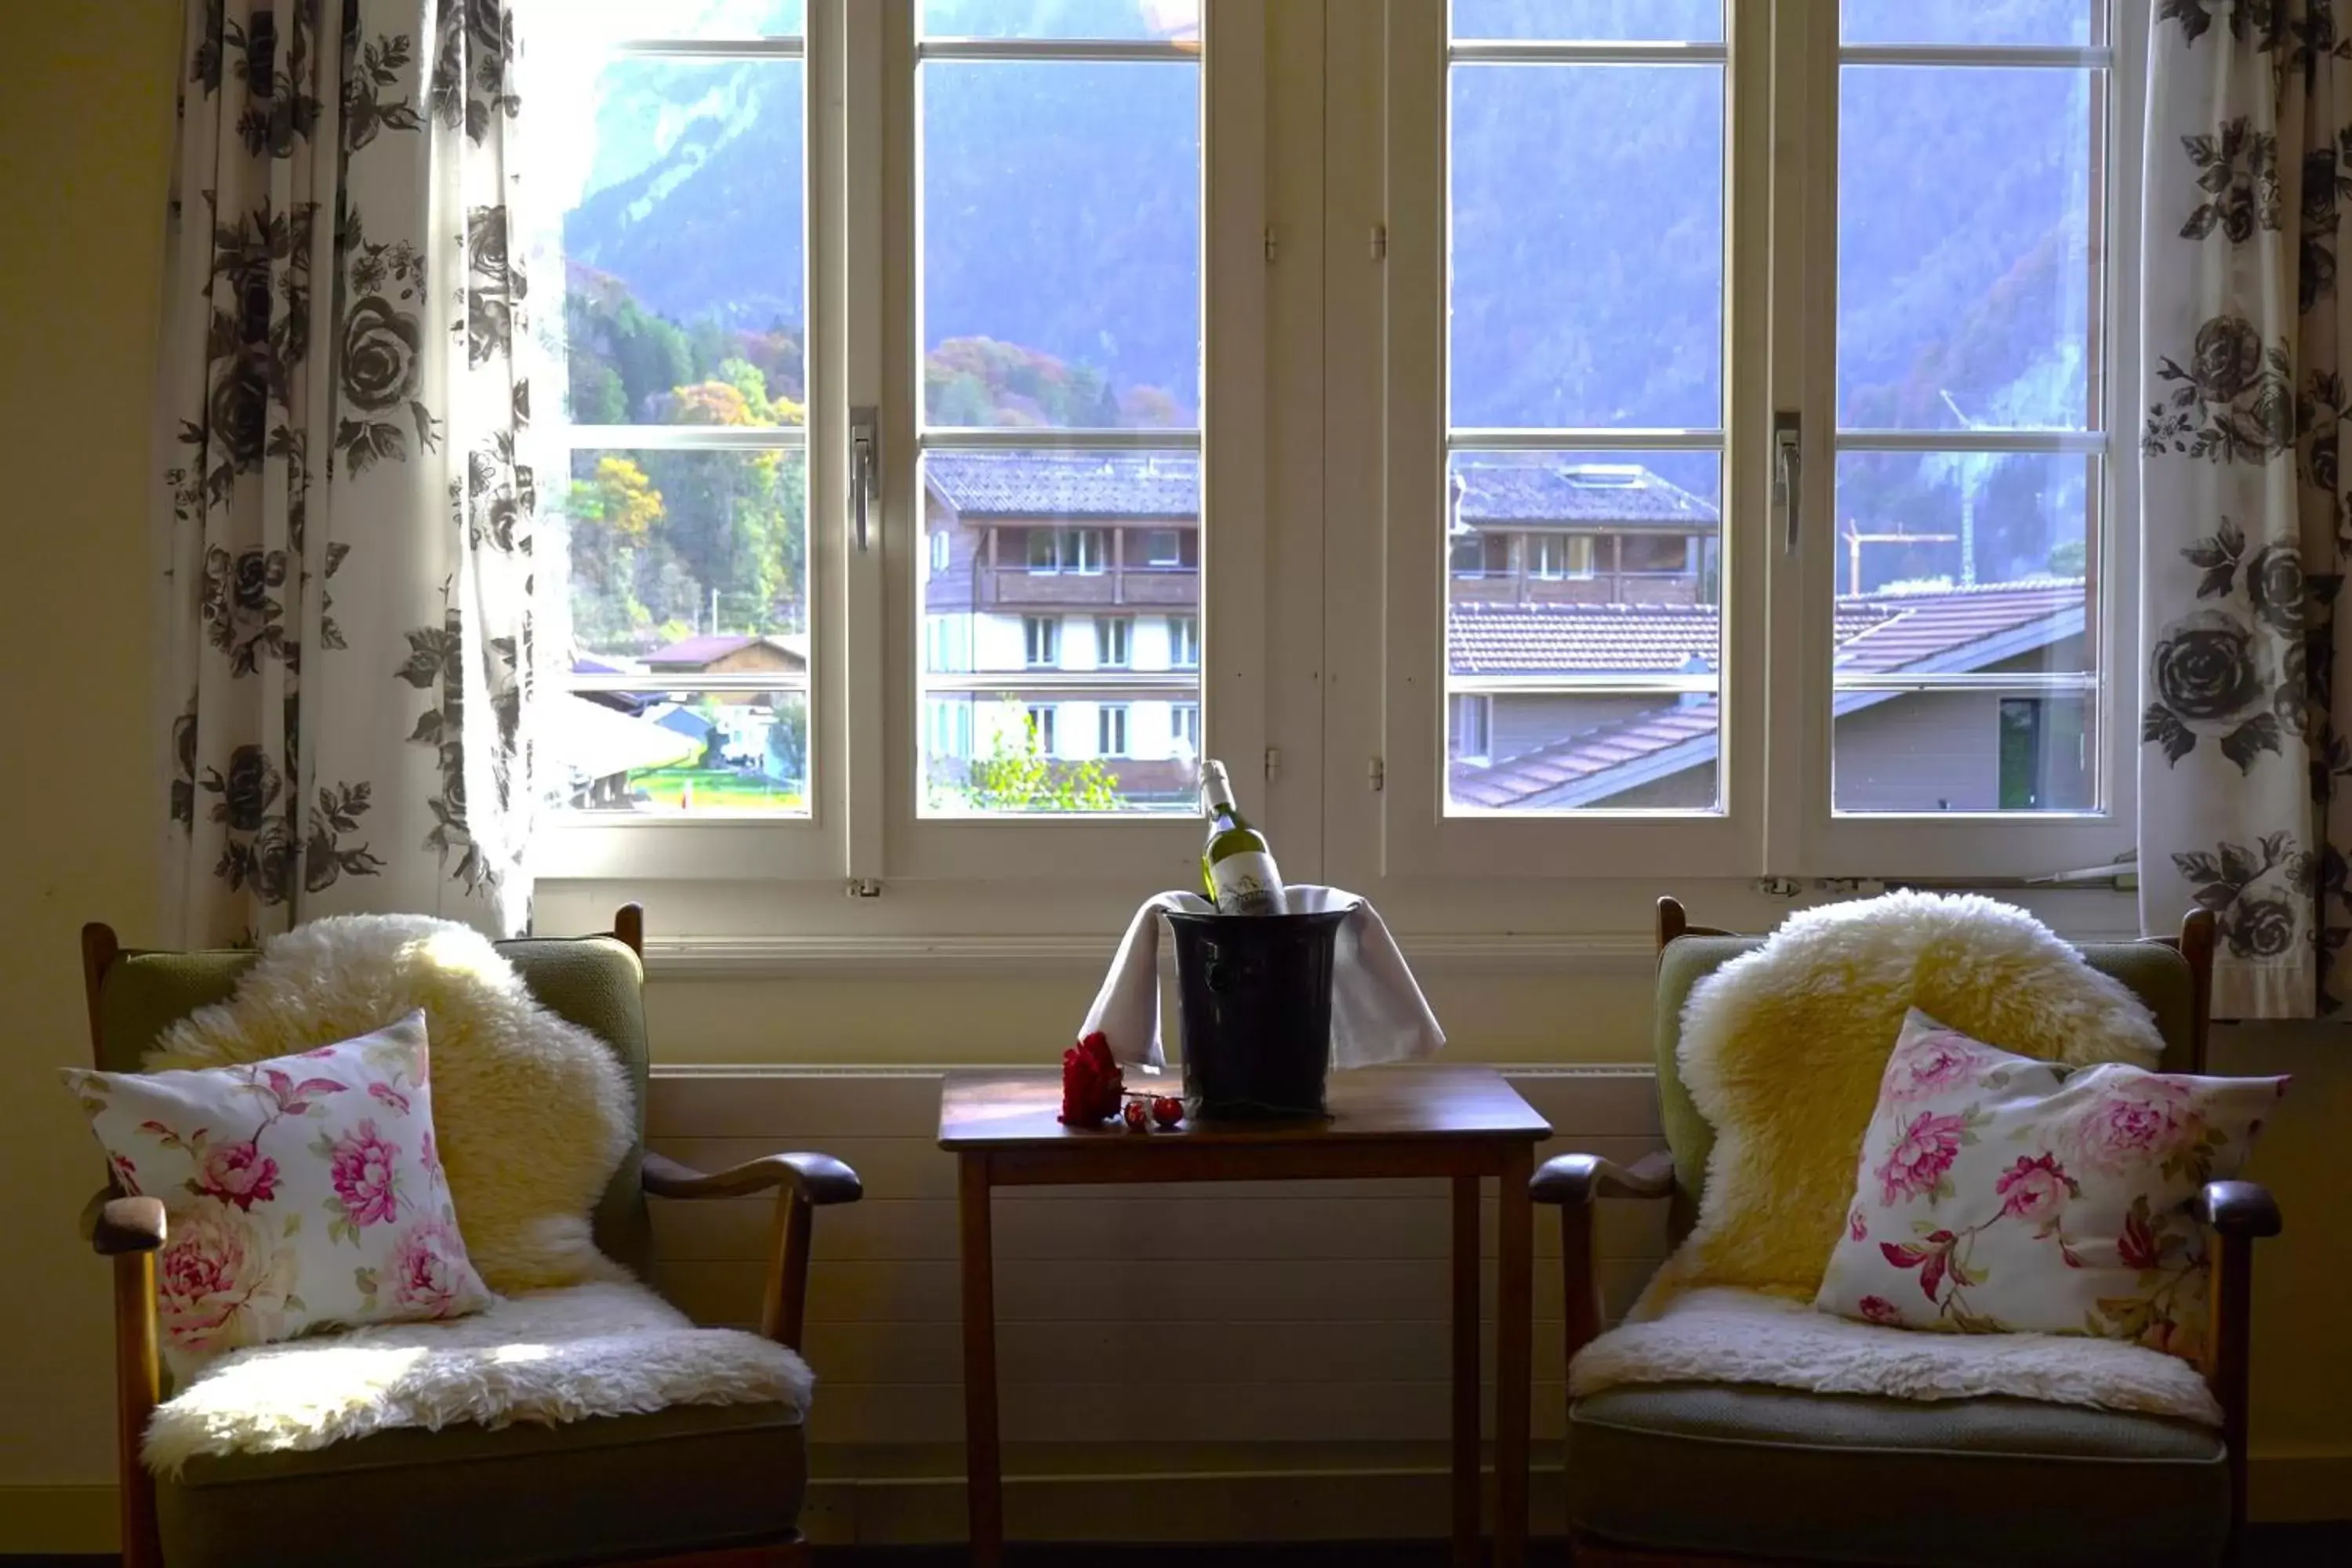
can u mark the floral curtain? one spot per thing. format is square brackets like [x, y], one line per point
[2244, 747]
[349, 488]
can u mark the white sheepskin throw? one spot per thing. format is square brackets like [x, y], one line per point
[1745, 1336]
[608, 1349]
[531, 1114]
[1782, 1050]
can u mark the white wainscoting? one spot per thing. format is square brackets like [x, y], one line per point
[1277, 1326]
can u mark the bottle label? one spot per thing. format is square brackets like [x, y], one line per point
[1247, 885]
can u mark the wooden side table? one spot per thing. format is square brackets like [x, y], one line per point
[1461, 1122]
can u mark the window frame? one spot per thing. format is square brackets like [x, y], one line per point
[1311, 356]
[1109, 716]
[1813, 838]
[1115, 630]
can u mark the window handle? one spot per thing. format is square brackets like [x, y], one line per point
[865, 448]
[1788, 474]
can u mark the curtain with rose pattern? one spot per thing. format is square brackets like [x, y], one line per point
[349, 488]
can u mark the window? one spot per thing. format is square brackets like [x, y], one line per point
[1553, 556]
[1488, 530]
[1184, 641]
[1472, 716]
[1040, 737]
[1894, 659]
[1041, 639]
[1113, 634]
[1056, 252]
[1184, 730]
[678, 591]
[1053, 550]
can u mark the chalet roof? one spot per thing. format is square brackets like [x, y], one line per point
[1149, 485]
[1624, 494]
[1101, 485]
[1945, 631]
[696, 653]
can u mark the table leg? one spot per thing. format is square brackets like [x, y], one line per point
[1514, 1309]
[1466, 1425]
[983, 1466]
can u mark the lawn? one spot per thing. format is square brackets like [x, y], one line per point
[715, 789]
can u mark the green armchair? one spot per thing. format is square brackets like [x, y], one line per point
[1695, 1472]
[720, 1486]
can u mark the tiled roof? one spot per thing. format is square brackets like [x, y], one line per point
[1948, 630]
[1599, 639]
[1067, 484]
[701, 652]
[1146, 485]
[1539, 492]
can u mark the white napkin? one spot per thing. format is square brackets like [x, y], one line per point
[1378, 1014]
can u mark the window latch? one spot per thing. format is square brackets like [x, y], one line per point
[865, 451]
[1788, 473]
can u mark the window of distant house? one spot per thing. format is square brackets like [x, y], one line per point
[1184, 641]
[1112, 635]
[942, 551]
[1041, 719]
[1041, 641]
[1557, 555]
[1110, 730]
[1184, 730]
[1471, 715]
[1163, 548]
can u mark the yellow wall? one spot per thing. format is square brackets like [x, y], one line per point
[85, 134]
[85, 150]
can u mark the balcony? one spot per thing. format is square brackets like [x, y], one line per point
[1150, 587]
[1503, 585]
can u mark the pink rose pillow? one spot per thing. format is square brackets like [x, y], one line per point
[298, 1193]
[1999, 1193]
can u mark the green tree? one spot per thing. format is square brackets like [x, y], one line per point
[1017, 774]
[615, 512]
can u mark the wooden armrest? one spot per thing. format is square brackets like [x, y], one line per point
[816, 1179]
[2237, 1208]
[119, 1225]
[801, 1183]
[1578, 1179]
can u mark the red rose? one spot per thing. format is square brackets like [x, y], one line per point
[1091, 1083]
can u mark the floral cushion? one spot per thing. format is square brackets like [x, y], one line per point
[2000, 1193]
[298, 1193]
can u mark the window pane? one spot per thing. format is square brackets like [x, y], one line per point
[685, 751]
[1965, 750]
[1969, 21]
[1953, 528]
[681, 190]
[1912, 622]
[1061, 248]
[1587, 284]
[1593, 684]
[1966, 299]
[689, 562]
[1123, 635]
[1591, 21]
[1126, 19]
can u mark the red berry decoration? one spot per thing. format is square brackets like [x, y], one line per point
[1137, 1119]
[1167, 1110]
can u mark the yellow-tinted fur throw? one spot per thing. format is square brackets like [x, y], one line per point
[531, 1113]
[1782, 1049]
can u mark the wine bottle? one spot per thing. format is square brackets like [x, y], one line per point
[1236, 866]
